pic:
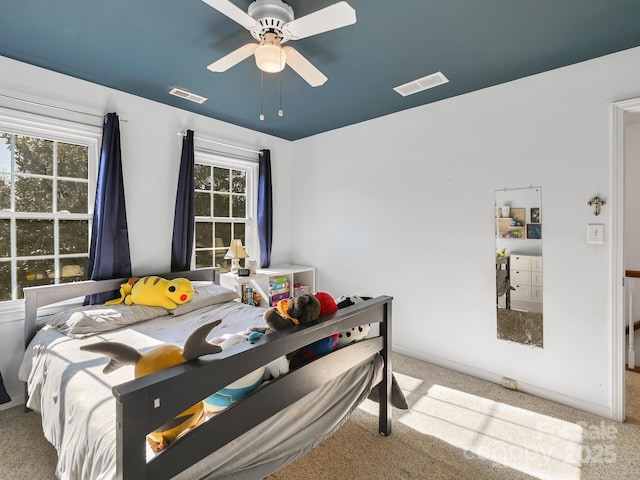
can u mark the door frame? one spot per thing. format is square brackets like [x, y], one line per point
[617, 337]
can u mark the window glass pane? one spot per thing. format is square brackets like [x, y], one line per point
[202, 176]
[204, 234]
[34, 155]
[204, 258]
[223, 232]
[223, 263]
[72, 196]
[203, 204]
[73, 269]
[34, 237]
[5, 238]
[5, 152]
[220, 179]
[73, 236]
[5, 281]
[32, 273]
[73, 161]
[34, 194]
[239, 206]
[5, 191]
[239, 181]
[220, 205]
[238, 232]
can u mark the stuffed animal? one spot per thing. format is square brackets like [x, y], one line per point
[158, 358]
[347, 337]
[240, 388]
[155, 292]
[292, 311]
[298, 311]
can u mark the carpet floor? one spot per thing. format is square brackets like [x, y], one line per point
[458, 427]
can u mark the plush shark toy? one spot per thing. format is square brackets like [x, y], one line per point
[158, 358]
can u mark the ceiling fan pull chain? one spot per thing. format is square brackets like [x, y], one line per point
[261, 96]
[281, 112]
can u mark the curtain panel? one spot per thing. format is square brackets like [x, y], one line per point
[109, 254]
[184, 216]
[265, 208]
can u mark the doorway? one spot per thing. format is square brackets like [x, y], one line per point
[625, 256]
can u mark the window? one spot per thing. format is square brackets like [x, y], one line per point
[47, 177]
[224, 206]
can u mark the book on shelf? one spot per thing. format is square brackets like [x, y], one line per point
[278, 283]
[279, 296]
[250, 295]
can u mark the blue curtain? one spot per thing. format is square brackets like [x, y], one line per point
[109, 255]
[265, 208]
[183, 220]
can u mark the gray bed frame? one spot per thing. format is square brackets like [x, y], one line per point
[143, 404]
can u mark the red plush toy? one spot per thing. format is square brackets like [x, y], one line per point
[327, 303]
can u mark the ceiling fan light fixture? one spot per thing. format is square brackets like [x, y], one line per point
[270, 58]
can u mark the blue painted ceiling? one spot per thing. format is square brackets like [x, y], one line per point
[146, 47]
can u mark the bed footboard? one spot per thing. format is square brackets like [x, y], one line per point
[148, 402]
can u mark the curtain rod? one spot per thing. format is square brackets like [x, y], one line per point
[184, 134]
[56, 108]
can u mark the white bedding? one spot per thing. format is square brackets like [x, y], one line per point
[67, 386]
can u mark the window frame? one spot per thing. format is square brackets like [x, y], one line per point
[57, 130]
[216, 159]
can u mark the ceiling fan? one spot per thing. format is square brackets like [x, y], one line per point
[272, 23]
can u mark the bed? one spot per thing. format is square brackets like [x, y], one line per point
[98, 423]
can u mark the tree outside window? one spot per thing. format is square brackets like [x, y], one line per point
[221, 203]
[44, 212]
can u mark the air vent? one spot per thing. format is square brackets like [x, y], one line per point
[179, 92]
[421, 84]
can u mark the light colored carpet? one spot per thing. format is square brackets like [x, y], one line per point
[632, 395]
[458, 427]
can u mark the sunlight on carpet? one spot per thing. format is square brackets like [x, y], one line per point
[538, 445]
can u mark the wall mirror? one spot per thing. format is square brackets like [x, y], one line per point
[518, 234]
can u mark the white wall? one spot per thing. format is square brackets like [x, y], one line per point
[151, 159]
[403, 205]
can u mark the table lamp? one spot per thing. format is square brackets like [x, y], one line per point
[235, 253]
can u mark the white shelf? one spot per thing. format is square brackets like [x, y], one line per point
[302, 274]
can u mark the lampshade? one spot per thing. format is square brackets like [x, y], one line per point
[270, 57]
[236, 250]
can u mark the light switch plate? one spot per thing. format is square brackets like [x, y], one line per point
[595, 233]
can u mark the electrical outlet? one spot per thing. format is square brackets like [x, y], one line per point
[509, 383]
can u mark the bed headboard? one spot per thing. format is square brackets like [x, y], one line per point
[36, 297]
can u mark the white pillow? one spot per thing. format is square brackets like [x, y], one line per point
[204, 297]
[91, 319]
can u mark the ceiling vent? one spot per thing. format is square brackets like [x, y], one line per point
[179, 92]
[421, 84]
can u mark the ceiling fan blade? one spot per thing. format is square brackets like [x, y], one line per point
[334, 16]
[234, 13]
[304, 68]
[233, 58]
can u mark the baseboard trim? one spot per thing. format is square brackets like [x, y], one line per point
[488, 376]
